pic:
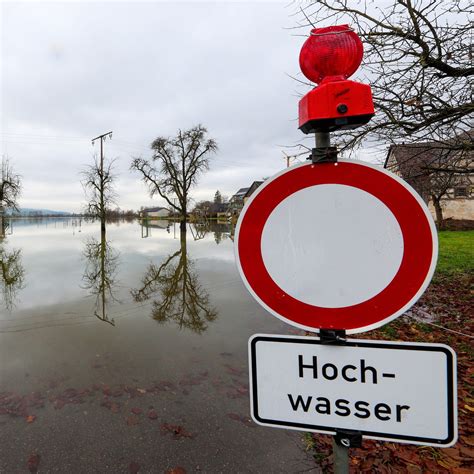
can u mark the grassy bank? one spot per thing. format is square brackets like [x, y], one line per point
[456, 252]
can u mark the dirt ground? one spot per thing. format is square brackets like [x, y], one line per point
[443, 315]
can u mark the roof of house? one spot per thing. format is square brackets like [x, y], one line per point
[252, 188]
[427, 152]
[239, 195]
[409, 154]
[241, 192]
[155, 209]
[416, 161]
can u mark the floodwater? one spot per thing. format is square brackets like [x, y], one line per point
[129, 353]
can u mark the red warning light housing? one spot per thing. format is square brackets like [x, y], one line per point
[328, 57]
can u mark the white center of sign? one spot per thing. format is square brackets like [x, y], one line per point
[332, 245]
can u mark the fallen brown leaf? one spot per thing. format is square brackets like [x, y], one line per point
[177, 430]
[133, 420]
[33, 462]
[176, 470]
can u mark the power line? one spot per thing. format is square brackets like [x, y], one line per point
[124, 146]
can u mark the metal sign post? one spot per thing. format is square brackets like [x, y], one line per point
[341, 442]
[323, 153]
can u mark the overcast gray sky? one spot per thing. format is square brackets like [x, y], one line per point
[71, 71]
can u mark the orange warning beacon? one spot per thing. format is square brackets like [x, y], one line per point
[328, 57]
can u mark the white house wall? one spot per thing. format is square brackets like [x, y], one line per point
[455, 208]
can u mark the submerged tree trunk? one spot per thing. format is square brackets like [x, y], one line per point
[439, 212]
[103, 244]
[182, 224]
[2, 222]
[182, 238]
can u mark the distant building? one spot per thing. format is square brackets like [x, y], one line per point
[414, 163]
[236, 202]
[155, 212]
[207, 209]
[252, 189]
[219, 210]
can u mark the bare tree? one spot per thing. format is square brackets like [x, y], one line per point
[12, 272]
[98, 183]
[202, 209]
[418, 60]
[10, 187]
[99, 276]
[175, 166]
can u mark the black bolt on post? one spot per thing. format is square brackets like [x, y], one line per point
[341, 443]
[332, 336]
[324, 152]
[348, 438]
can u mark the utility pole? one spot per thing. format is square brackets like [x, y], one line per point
[102, 210]
[288, 158]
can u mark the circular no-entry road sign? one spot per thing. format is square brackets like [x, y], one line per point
[339, 245]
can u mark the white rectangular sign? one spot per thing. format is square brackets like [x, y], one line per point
[392, 391]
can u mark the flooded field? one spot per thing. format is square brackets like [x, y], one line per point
[129, 354]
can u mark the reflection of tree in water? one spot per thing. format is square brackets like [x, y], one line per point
[100, 273]
[12, 272]
[12, 275]
[5, 227]
[218, 236]
[182, 298]
[222, 231]
[199, 229]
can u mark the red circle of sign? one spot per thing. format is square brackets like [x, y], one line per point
[410, 278]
